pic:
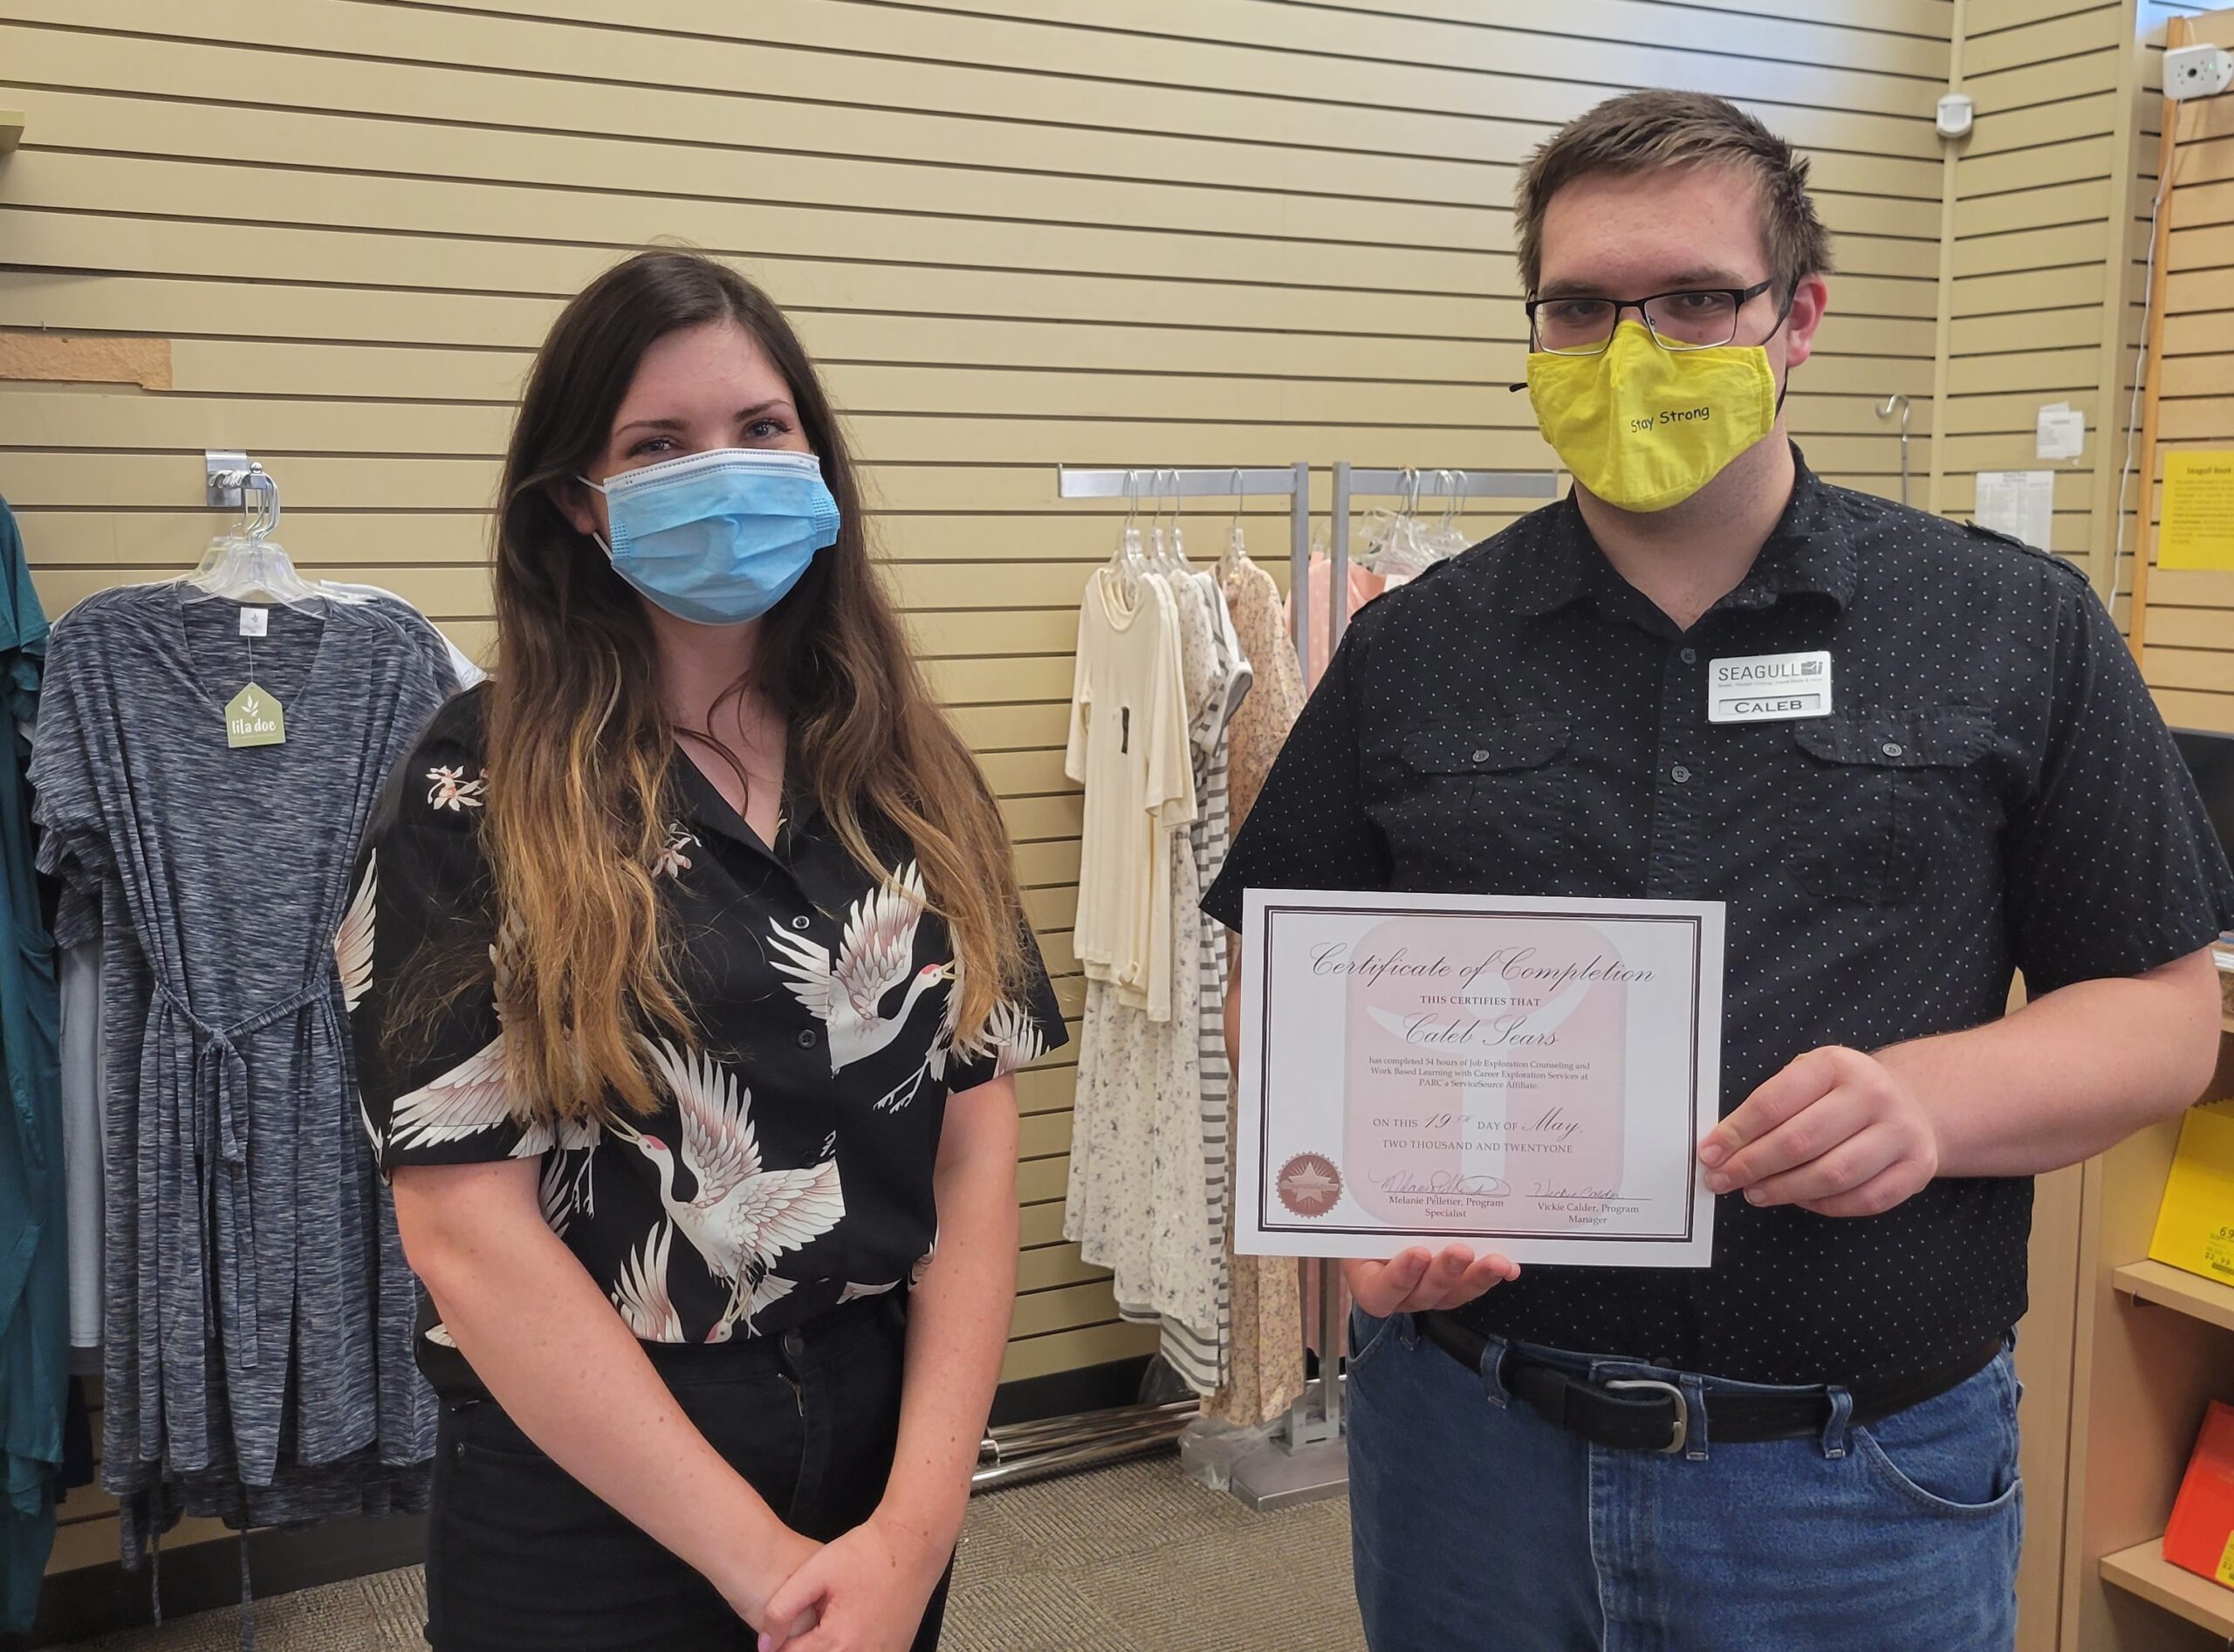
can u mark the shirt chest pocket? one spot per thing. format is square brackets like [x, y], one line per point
[1491, 808]
[1892, 801]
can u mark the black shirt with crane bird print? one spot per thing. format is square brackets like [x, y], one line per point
[789, 1168]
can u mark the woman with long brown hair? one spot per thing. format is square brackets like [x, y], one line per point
[688, 967]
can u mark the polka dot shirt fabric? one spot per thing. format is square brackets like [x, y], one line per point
[1994, 790]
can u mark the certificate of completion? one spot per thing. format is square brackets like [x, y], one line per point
[1525, 1076]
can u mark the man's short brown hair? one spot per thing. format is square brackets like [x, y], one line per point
[1644, 132]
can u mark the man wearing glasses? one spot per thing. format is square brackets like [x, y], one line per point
[1910, 756]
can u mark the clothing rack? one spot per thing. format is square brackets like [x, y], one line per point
[1308, 1456]
[1065, 1444]
[1353, 481]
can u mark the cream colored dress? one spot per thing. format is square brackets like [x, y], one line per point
[1139, 1185]
[1129, 747]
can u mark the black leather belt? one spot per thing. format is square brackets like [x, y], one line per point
[1646, 1414]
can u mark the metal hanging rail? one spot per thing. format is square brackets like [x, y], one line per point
[1289, 482]
[1353, 481]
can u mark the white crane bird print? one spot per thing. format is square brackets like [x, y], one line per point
[875, 957]
[474, 1096]
[477, 1095]
[353, 955]
[468, 1099]
[1010, 1036]
[642, 1296]
[353, 942]
[741, 1217]
[754, 1292]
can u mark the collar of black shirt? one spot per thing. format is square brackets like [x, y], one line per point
[803, 828]
[1811, 551]
[698, 800]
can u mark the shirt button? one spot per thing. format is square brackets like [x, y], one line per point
[1894, 748]
[1481, 757]
[1679, 774]
[799, 922]
[794, 1345]
[1690, 656]
[807, 1038]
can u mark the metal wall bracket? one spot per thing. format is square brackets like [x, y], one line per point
[220, 466]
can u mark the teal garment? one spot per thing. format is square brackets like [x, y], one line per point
[34, 1265]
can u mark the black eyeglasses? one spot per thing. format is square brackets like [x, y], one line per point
[1698, 318]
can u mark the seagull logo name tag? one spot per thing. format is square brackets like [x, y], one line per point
[1769, 687]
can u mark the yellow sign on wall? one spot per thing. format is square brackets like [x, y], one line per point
[2198, 531]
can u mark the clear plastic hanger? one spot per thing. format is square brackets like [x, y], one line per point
[1237, 542]
[1155, 541]
[1392, 539]
[1446, 539]
[1130, 562]
[1175, 543]
[1373, 528]
[247, 562]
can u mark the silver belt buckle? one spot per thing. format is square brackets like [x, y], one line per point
[1682, 1410]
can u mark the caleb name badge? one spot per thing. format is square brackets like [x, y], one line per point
[1769, 687]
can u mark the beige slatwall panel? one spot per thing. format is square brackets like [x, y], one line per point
[1014, 231]
[2036, 188]
[2036, 203]
[2190, 656]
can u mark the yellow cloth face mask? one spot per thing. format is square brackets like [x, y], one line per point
[1644, 427]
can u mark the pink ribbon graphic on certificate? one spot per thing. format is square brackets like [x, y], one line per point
[1481, 1097]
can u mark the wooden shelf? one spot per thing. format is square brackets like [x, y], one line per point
[2142, 1570]
[2178, 1289]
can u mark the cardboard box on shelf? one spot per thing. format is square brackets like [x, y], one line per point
[2195, 1225]
[2201, 1535]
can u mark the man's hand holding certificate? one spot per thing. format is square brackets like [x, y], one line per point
[1525, 1078]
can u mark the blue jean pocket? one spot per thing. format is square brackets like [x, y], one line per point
[1367, 1337]
[1955, 1454]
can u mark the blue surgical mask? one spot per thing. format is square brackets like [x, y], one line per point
[719, 538]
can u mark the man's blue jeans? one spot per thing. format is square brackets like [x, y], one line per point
[1478, 1525]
